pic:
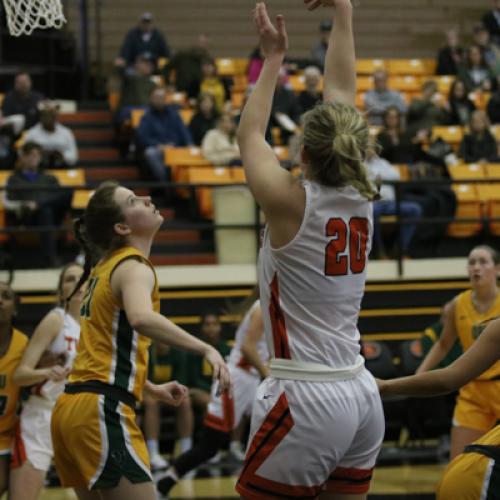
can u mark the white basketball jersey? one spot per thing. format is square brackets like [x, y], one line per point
[236, 357]
[65, 343]
[311, 288]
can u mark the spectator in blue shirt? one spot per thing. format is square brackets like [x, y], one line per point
[143, 39]
[161, 126]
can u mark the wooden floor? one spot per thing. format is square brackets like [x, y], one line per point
[389, 482]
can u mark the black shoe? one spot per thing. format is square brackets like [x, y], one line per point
[165, 485]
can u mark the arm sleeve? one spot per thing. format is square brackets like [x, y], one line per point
[70, 152]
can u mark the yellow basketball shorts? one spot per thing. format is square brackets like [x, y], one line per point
[97, 442]
[471, 476]
[478, 405]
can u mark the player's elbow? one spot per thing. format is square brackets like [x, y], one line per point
[138, 320]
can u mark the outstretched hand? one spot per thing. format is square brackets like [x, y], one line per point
[314, 4]
[273, 40]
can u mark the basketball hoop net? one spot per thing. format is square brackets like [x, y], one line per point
[24, 16]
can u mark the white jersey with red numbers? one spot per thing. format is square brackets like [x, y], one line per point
[311, 288]
[64, 344]
[33, 441]
[236, 357]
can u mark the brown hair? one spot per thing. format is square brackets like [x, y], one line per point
[335, 139]
[60, 301]
[95, 232]
[494, 254]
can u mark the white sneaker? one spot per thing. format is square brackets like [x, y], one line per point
[216, 458]
[237, 453]
[157, 462]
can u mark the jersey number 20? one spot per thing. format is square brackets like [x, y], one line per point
[342, 255]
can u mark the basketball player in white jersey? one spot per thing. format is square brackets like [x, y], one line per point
[317, 423]
[247, 366]
[55, 337]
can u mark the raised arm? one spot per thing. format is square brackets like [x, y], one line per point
[482, 354]
[339, 83]
[271, 185]
[132, 282]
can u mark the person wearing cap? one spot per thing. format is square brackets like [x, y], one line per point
[143, 39]
[318, 51]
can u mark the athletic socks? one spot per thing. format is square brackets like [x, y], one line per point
[153, 447]
[185, 444]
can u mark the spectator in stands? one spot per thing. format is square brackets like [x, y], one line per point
[492, 22]
[136, 87]
[380, 170]
[166, 364]
[22, 101]
[479, 145]
[38, 207]
[184, 69]
[426, 111]
[318, 51]
[312, 94]
[143, 39]
[493, 107]
[491, 52]
[160, 126]
[204, 118]
[460, 107]
[475, 73]
[378, 99]
[395, 143]
[450, 57]
[57, 141]
[219, 144]
[199, 373]
[212, 84]
[286, 110]
[255, 63]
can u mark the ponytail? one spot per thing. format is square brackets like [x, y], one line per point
[79, 230]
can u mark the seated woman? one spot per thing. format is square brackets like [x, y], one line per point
[394, 141]
[381, 170]
[475, 72]
[460, 106]
[204, 118]
[219, 144]
[479, 145]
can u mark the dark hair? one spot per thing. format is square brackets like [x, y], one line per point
[60, 301]
[206, 314]
[30, 146]
[390, 109]
[94, 231]
[336, 138]
[451, 96]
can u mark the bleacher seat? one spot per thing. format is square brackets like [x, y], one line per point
[207, 175]
[369, 66]
[227, 66]
[415, 67]
[404, 171]
[406, 83]
[468, 207]
[179, 158]
[452, 135]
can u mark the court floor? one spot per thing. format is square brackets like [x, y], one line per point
[399, 482]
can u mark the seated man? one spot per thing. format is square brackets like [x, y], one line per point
[38, 207]
[57, 141]
[380, 98]
[136, 87]
[160, 126]
[144, 38]
[22, 101]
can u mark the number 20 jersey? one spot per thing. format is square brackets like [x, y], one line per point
[311, 288]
